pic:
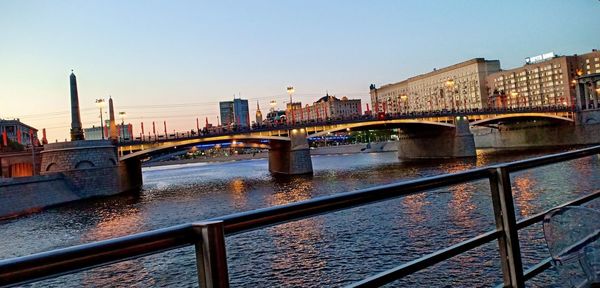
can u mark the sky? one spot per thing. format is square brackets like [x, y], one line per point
[175, 60]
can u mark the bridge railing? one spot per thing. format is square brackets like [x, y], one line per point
[209, 236]
[355, 119]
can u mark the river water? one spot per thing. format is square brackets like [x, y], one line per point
[325, 251]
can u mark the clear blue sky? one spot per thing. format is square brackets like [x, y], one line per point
[175, 60]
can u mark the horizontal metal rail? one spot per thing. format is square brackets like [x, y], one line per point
[526, 222]
[261, 218]
[73, 259]
[426, 261]
[58, 262]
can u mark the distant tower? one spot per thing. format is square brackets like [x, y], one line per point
[76, 131]
[112, 125]
[259, 117]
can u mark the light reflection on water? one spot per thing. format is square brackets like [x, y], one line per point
[328, 250]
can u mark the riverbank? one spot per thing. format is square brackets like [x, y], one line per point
[374, 147]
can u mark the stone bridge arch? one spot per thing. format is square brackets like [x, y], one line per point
[500, 118]
[381, 124]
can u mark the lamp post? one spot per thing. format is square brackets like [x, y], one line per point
[122, 116]
[100, 103]
[290, 91]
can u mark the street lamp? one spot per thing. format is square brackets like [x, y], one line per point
[122, 116]
[100, 103]
[290, 91]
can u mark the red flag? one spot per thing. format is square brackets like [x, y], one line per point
[31, 137]
[368, 108]
[4, 138]
[19, 135]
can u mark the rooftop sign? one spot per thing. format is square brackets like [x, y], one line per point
[539, 58]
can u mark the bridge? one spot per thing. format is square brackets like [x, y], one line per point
[91, 168]
[422, 135]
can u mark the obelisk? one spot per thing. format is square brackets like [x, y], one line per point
[76, 131]
[112, 125]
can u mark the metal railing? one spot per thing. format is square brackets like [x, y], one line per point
[158, 138]
[208, 237]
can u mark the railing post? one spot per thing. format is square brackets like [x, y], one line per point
[504, 214]
[211, 258]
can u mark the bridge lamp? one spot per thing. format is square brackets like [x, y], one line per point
[100, 104]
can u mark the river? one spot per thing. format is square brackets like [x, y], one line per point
[325, 251]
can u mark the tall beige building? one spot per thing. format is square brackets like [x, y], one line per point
[457, 87]
[544, 81]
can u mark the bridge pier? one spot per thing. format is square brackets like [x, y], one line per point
[291, 157]
[419, 142]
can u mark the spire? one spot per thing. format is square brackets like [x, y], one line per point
[259, 117]
[112, 124]
[76, 131]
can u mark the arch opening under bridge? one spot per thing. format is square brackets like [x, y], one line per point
[381, 124]
[158, 147]
[513, 117]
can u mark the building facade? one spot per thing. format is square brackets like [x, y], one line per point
[327, 107]
[457, 87]
[124, 132]
[235, 112]
[545, 81]
[17, 131]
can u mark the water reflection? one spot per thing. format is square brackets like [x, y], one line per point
[461, 208]
[298, 249]
[414, 206]
[121, 222]
[289, 190]
[238, 190]
[524, 194]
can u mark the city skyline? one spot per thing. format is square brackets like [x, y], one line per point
[176, 62]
